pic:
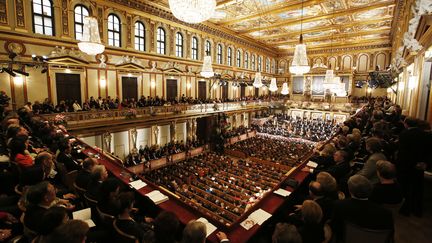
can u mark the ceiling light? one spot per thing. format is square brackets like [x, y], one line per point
[207, 69]
[90, 42]
[285, 89]
[300, 63]
[257, 80]
[193, 11]
[273, 85]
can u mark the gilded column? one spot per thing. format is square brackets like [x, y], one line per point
[65, 18]
[173, 131]
[152, 36]
[20, 14]
[3, 13]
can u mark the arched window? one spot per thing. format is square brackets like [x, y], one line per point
[179, 44]
[208, 48]
[80, 13]
[238, 58]
[160, 44]
[253, 62]
[114, 30]
[194, 48]
[246, 60]
[267, 65]
[139, 36]
[43, 17]
[229, 56]
[259, 64]
[219, 54]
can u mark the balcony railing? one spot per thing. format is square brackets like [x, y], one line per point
[82, 117]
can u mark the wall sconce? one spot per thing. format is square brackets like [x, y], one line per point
[67, 70]
[188, 85]
[152, 84]
[18, 80]
[369, 90]
[102, 83]
[129, 74]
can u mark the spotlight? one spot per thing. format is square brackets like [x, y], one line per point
[21, 72]
[44, 70]
[10, 72]
[34, 57]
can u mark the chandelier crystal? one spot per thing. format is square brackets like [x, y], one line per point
[257, 80]
[285, 89]
[90, 42]
[300, 63]
[273, 86]
[207, 69]
[192, 11]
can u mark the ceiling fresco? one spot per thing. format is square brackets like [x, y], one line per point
[279, 23]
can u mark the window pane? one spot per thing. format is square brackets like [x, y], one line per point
[78, 18]
[48, 31]
[47, 10]
[46, 2]
[37, 8]
[37, 20]
[48, 22]
[38, 29]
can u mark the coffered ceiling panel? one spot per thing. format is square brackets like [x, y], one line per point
[279, 23]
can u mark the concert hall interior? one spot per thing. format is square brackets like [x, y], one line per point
[192, 121]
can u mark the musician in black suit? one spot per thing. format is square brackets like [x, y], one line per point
[358, 210]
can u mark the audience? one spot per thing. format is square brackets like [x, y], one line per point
[194, 232]
[388, 190]
[358, 210]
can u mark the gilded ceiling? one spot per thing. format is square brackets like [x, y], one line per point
[325, 23]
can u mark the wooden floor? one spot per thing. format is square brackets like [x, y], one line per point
[414, 229]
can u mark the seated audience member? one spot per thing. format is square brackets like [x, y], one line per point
[387, 191]
[52, 219]
[40, 198]
[65, 156]
[337, 170]
[9, 226]
[166, 226]
[43, 169]
[15, 130]
[311, 228]
[83, 177]
[19, 153]
[358, 210]
[328, 184]
[373, 146]
[73, 231]
[194, 232]
[99, 175]
[286, 233]
[316, 193]
[108, 201]
[126, 224]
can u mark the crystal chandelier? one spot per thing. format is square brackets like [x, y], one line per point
[300, 63]
[193, 11]
[285, 90]
[90, 42]
[273, 86]
[207, 69]
[257, 80]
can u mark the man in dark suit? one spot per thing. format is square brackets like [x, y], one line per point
[84, 175]
[65, 156]
[99, 175]
[358, 210]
